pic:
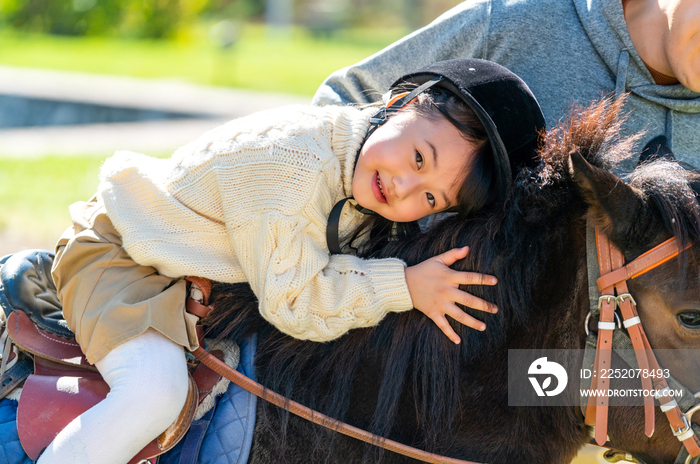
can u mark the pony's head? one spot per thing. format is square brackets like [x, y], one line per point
[655, 202]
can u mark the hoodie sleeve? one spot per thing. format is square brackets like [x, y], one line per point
[461, 32]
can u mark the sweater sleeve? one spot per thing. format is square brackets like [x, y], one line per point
[309, 294]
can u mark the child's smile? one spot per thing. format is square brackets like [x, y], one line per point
[410, 167]
[379, 191]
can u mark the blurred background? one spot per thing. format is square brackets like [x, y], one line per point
[80, 79]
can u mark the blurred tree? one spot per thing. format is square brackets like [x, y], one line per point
[165, 18]
[240, 9]
[412, 14]
[57, 16]
[134, 18]
[152, 18]
[323, 17]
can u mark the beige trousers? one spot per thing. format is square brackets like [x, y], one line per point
[107, 297]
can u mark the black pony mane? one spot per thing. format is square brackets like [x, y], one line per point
[420, 368]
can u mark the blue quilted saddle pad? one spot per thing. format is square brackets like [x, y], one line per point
[223, 436]
[11, 450]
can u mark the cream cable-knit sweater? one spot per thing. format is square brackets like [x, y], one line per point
[249, 201]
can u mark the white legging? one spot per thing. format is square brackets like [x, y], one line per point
[147, 376]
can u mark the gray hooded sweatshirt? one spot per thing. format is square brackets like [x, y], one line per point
[567, 51]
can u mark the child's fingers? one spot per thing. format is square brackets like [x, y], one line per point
[450, 257]
[474, 278]
[465, 319]
[441, 321]
[471, 301]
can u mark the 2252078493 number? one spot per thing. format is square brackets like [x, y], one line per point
[625, 373]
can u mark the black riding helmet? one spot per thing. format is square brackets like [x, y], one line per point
[501, 100]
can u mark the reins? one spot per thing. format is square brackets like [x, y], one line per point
[248, 384]
[614, 294]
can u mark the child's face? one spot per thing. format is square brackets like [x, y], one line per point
[411, 167]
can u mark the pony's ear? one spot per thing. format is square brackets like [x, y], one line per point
[618, 209]
[694, 182]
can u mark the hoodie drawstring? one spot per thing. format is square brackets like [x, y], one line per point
[622, 65]
[621, 86]
[669, 128]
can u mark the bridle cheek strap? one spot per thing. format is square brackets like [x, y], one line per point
[597, 409]
[613, 287]
[609, 258]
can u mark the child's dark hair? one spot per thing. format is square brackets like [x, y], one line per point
[479, 172]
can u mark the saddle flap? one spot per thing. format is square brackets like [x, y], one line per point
[50, 402]
[26, 335]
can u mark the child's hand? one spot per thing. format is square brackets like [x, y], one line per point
[434, 289]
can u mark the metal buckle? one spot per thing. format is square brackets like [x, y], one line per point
[679, 432]
[686, 416]
[588, 318]
[607, 299]
[621, 298]
[379, 117]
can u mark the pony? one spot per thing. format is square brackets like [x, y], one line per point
[404, 380]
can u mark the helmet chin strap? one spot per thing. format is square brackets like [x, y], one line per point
[332, 229]
[379, 118]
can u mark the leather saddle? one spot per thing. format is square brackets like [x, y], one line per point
[60, 383]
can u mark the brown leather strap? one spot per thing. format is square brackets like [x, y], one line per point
[613, 280]
[597, 410]
[196, 308]
[206, 378]
[675, 416]
[204, 285]
[646, 262]
[316, 417]
[300, 410]
[634, 328]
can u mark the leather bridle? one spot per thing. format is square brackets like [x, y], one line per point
[612, 285]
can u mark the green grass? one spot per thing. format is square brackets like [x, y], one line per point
[35, 194]
[297, 63]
